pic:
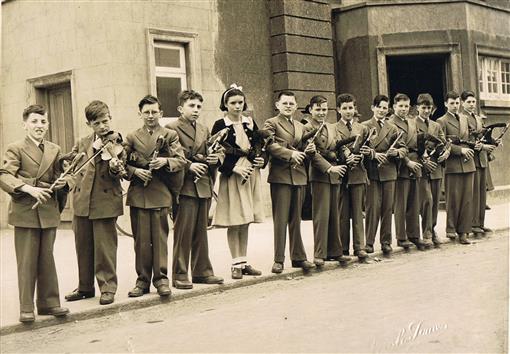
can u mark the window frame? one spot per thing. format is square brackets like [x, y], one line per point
[500, 55]
[189, 55]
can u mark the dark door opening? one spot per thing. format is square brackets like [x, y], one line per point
[415, 74]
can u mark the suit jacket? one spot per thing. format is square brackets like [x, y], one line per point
[451, 126]
[288, 139]
[475, 125]
[234, 153]
[24, 163]
[381, 143]
[193, 142]
[358, 174]
[140, 146]
[435, 130]
[319, 166]
[408, 126]
[97, 193]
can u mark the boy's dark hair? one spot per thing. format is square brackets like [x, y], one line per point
[345, 98]
[425, 99]
[400, 97]
[380, 98]
[231, 92]
[466, 94]
[317, 100]
[96, 109]
[451, 94]
[186, 95]
[149, 99]
[285, 93]
[34, 108]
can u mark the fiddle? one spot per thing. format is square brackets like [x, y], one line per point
[113, 151]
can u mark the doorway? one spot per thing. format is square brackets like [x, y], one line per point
[415, 74]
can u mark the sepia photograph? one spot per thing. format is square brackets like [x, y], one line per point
[254, 176]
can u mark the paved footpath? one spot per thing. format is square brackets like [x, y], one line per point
[260, 254]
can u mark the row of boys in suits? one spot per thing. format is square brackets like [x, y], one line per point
[391, 161]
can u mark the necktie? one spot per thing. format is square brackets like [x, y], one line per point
[194, 125]
[150, 132]
[456, 116]
[381, 122]
[41, 146]
[349, 126]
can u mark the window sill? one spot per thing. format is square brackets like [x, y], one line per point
[495, 103]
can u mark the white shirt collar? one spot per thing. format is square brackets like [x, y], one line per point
[244, 120]
[345, 121]
[35, 141]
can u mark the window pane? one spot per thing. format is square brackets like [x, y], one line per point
[167, 57]
[167, 90]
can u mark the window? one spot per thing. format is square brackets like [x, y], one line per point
[494, 78]
[170, 72]
[174, 65]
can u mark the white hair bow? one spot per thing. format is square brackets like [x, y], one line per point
[235, 86]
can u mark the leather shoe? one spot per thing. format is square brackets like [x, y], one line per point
[277, 268]
[138, 291]
[319, 262]
[369, 249]
[487, 207]
[211, 279]
[305, 265]
[451, 235]
[361, 254]
[237, 273]
[386, 249]
[26, 317]
[477, 230]
[427, 243]
[463, 239]
[79, 295]
[106, 298]
[418, 243]
[486, 229]
[249, 270]
[164, 290]
[182, 284]
[437, 241]
[404, 243]
[53, 311]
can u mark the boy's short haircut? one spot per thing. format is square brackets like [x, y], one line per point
[187, 95]
[149, 99]
[466, 94]
[96, 109]
[285, 93]
[345, 98]
[400, 97]
[424, 99]
[380, 98]
[317, 100]
[451, 94]
[34, 108]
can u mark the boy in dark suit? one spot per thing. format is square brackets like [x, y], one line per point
[287, 178]
[459, 172]
[430, 183]
[29, 168]
[407, 202]
[97, 202]
[353, 186]
[192, 207]
[325, 176]
[382, 173]
[482, 151]
[148, 195]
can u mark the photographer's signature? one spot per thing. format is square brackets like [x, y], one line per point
[415, 330]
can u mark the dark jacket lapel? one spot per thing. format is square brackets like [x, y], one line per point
[48, 157]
